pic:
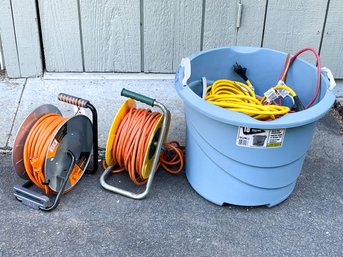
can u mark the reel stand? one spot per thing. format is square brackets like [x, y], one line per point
[155, 144]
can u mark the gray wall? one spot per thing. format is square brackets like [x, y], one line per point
[153, 35]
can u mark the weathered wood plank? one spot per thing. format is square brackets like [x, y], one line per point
[2, 63]
[251, 30]
[172, 30]
[332, 45]
[111, 35]
[158, 36]
[61, 35]
[292, 25]
[220, 24]
[9, 44]
[27, 34]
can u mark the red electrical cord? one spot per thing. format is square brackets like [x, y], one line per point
[288, 62]
[131, 143]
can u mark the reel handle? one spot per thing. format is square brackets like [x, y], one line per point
[83, 103]
[80, 102]
[138, 97]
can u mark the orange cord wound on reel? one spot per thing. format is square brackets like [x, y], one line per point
[132, 142]
[36, 148]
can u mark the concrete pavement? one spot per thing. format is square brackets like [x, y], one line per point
[173, 220]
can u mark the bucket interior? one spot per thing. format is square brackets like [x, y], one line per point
[263, 69]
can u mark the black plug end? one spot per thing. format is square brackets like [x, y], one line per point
[298, 105]
[241, 71]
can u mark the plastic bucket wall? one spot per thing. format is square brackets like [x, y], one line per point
[224, 172]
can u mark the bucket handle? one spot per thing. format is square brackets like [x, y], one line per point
[327, 72]
[186, 64]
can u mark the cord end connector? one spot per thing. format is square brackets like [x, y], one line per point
[241, 71]
[298, 105]
[271, 95]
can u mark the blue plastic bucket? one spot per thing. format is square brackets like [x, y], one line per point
[218, 166]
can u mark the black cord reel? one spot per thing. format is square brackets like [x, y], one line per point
[73, 147]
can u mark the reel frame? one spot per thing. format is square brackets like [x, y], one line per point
[164, 127]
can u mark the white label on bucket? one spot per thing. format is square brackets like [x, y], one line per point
[260, 138]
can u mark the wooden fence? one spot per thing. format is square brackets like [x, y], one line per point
[153, 35]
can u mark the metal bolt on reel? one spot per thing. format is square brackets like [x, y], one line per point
[152, 154]
[68, 152]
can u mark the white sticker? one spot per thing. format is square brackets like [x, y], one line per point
[260, 138]
[53, 145]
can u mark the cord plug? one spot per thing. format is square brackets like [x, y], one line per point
[298, 105]
[241, 71]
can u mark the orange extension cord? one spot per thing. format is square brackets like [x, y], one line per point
[131, 143]
[36, 147]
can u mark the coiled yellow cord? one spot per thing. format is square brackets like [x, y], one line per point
[239, 97]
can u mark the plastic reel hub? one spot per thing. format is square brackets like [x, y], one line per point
[76, 136]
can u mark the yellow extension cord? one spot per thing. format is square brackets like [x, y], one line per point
[239, 97]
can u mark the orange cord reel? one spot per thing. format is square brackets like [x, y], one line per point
[53, 152]
[135, 142]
